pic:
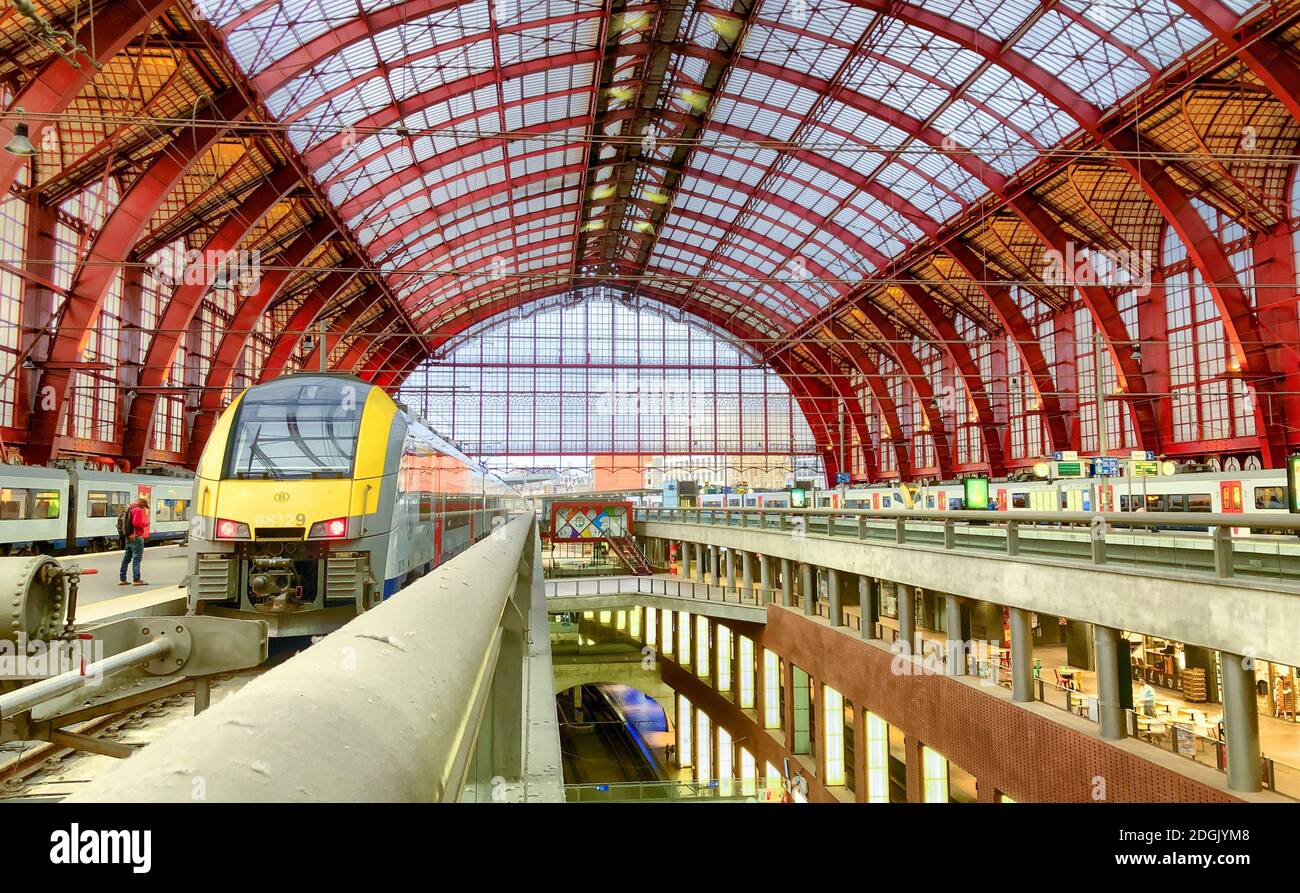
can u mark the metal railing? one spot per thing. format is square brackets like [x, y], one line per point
[415, 679]
[1265, 546]
[672, 587]
[666, 791]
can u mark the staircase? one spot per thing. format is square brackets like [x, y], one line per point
[626, 548]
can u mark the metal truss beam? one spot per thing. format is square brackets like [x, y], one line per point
[57, 84]
[235, 339]
[184, 304]
[102, 264]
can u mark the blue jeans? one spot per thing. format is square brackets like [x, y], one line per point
[133, 553]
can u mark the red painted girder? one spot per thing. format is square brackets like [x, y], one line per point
[390, 185]
[1021, 332]
[444, 251]
[837, 378]
[58, 84]
[364, 341]
[398, 233]
[305, 316]
[1240, 323]
[780, 323]
[240, 330]
[955, 347]
[110, 248]
[819, 405]
[386, 344]
[457, 122]
[354, 84]
[1268, 59]
[1106, 317]
[400, 366]
[916, 377]
[339, 325]
[880, 390]
[376, 210]
[878, 191]
[343, 34]
[1203, 248]
[182, 306]
[391, 114]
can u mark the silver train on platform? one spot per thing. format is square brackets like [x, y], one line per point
[1250, 493]
[59, 510]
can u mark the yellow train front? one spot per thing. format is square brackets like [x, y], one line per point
[317, 496]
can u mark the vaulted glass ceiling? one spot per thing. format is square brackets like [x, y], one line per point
[488, 152]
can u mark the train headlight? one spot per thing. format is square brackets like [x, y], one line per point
[232, 530]
[333, 529]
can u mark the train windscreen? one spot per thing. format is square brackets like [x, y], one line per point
[293, 428]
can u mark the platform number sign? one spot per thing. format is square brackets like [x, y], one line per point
[1293, 483]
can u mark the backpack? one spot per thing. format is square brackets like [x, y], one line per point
[124, 525]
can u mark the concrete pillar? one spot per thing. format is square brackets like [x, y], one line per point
[1240, 722]
[1107, 639]
[867, 604]
[953, 623]
[747, 573]
[711, 569]
[808, 588]
[731, 569]
[699, 562]
[833, 594]
[1022, 656]
[787, 584]
[906, 617]
[684, 560]
[765, 576]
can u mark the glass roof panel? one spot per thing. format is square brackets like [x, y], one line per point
[1098, 70]
[423, 180]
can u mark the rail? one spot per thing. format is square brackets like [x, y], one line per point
[1224, 546]
[414, 700]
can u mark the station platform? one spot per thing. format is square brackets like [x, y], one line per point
[163, 568]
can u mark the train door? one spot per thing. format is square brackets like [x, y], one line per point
[943, 500]
[1230, 502]
[875, 500]
[1002, 499]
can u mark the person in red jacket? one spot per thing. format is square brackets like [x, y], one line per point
[138, 524]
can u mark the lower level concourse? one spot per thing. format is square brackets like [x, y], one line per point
[880, 691]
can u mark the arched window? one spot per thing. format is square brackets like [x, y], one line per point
[1209, 399]
[631, 389]
[13, 254]
[95, 402]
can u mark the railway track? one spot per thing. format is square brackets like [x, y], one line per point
[599, 749]
[33, 771]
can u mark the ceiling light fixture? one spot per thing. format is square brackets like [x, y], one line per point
[20, 143]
